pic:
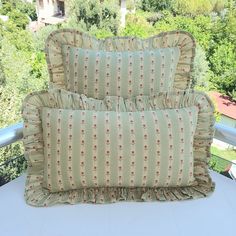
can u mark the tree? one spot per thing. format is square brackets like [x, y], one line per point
[85, 15]
[222, 53]
[153, 5]
[225, 26]
[200, 27]
[22, 70]
[223, 64]
[28, 9]
[13, 8]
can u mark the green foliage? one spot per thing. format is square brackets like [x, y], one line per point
[11, 150]
[136, 25]
[218, 5]
[100, 33]
[221, 159]
[153, 5]
[219, 165]
[14, 166]
[223, 57]
[225, 27]
[232, 94]
[93, 13]
[192, 7]
[26, 8]
[228, 154]
[184, 7]
[12, 169]
[19, 18]
[6, 7]
[40, 37]
[201, 70]
[199, 27]
[10, 103]
[21, 39]
[131, 4]
[223, 64]
[2, 75]
[222, 53]
[22, 70]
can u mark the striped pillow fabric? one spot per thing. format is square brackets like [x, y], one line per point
[136, 58]
[110, 149]
[144, 148]
[98, 73]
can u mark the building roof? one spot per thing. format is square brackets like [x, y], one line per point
[224, 104]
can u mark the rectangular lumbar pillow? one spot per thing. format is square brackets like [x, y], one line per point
[143, 148]
[109, 149]
[98, 73]
[119, 66]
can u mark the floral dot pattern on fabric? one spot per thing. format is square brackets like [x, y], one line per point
[142, 148]
[116, 57]
[101, 73]
[93, 161]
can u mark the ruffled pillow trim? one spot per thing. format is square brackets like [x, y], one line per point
[181, 39]
[36, 195]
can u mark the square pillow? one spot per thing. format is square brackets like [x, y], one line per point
[98, 73]
[119, 66]
[144, 148]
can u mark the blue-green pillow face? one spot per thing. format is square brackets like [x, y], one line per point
[143, 148]
[126, 73]
[111, 149]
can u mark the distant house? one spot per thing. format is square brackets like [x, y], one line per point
[51, 11]
[227, 108]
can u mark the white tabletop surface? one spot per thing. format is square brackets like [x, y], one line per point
[210, 216]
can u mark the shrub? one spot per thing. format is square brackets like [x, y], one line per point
[201, 72]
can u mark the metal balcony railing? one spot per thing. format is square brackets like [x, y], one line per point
[11, 134]
[223, 133]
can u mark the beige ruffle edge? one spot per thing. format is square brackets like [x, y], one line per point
[181, 39]
[36, 195]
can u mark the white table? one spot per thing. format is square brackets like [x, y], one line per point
[210, 216]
